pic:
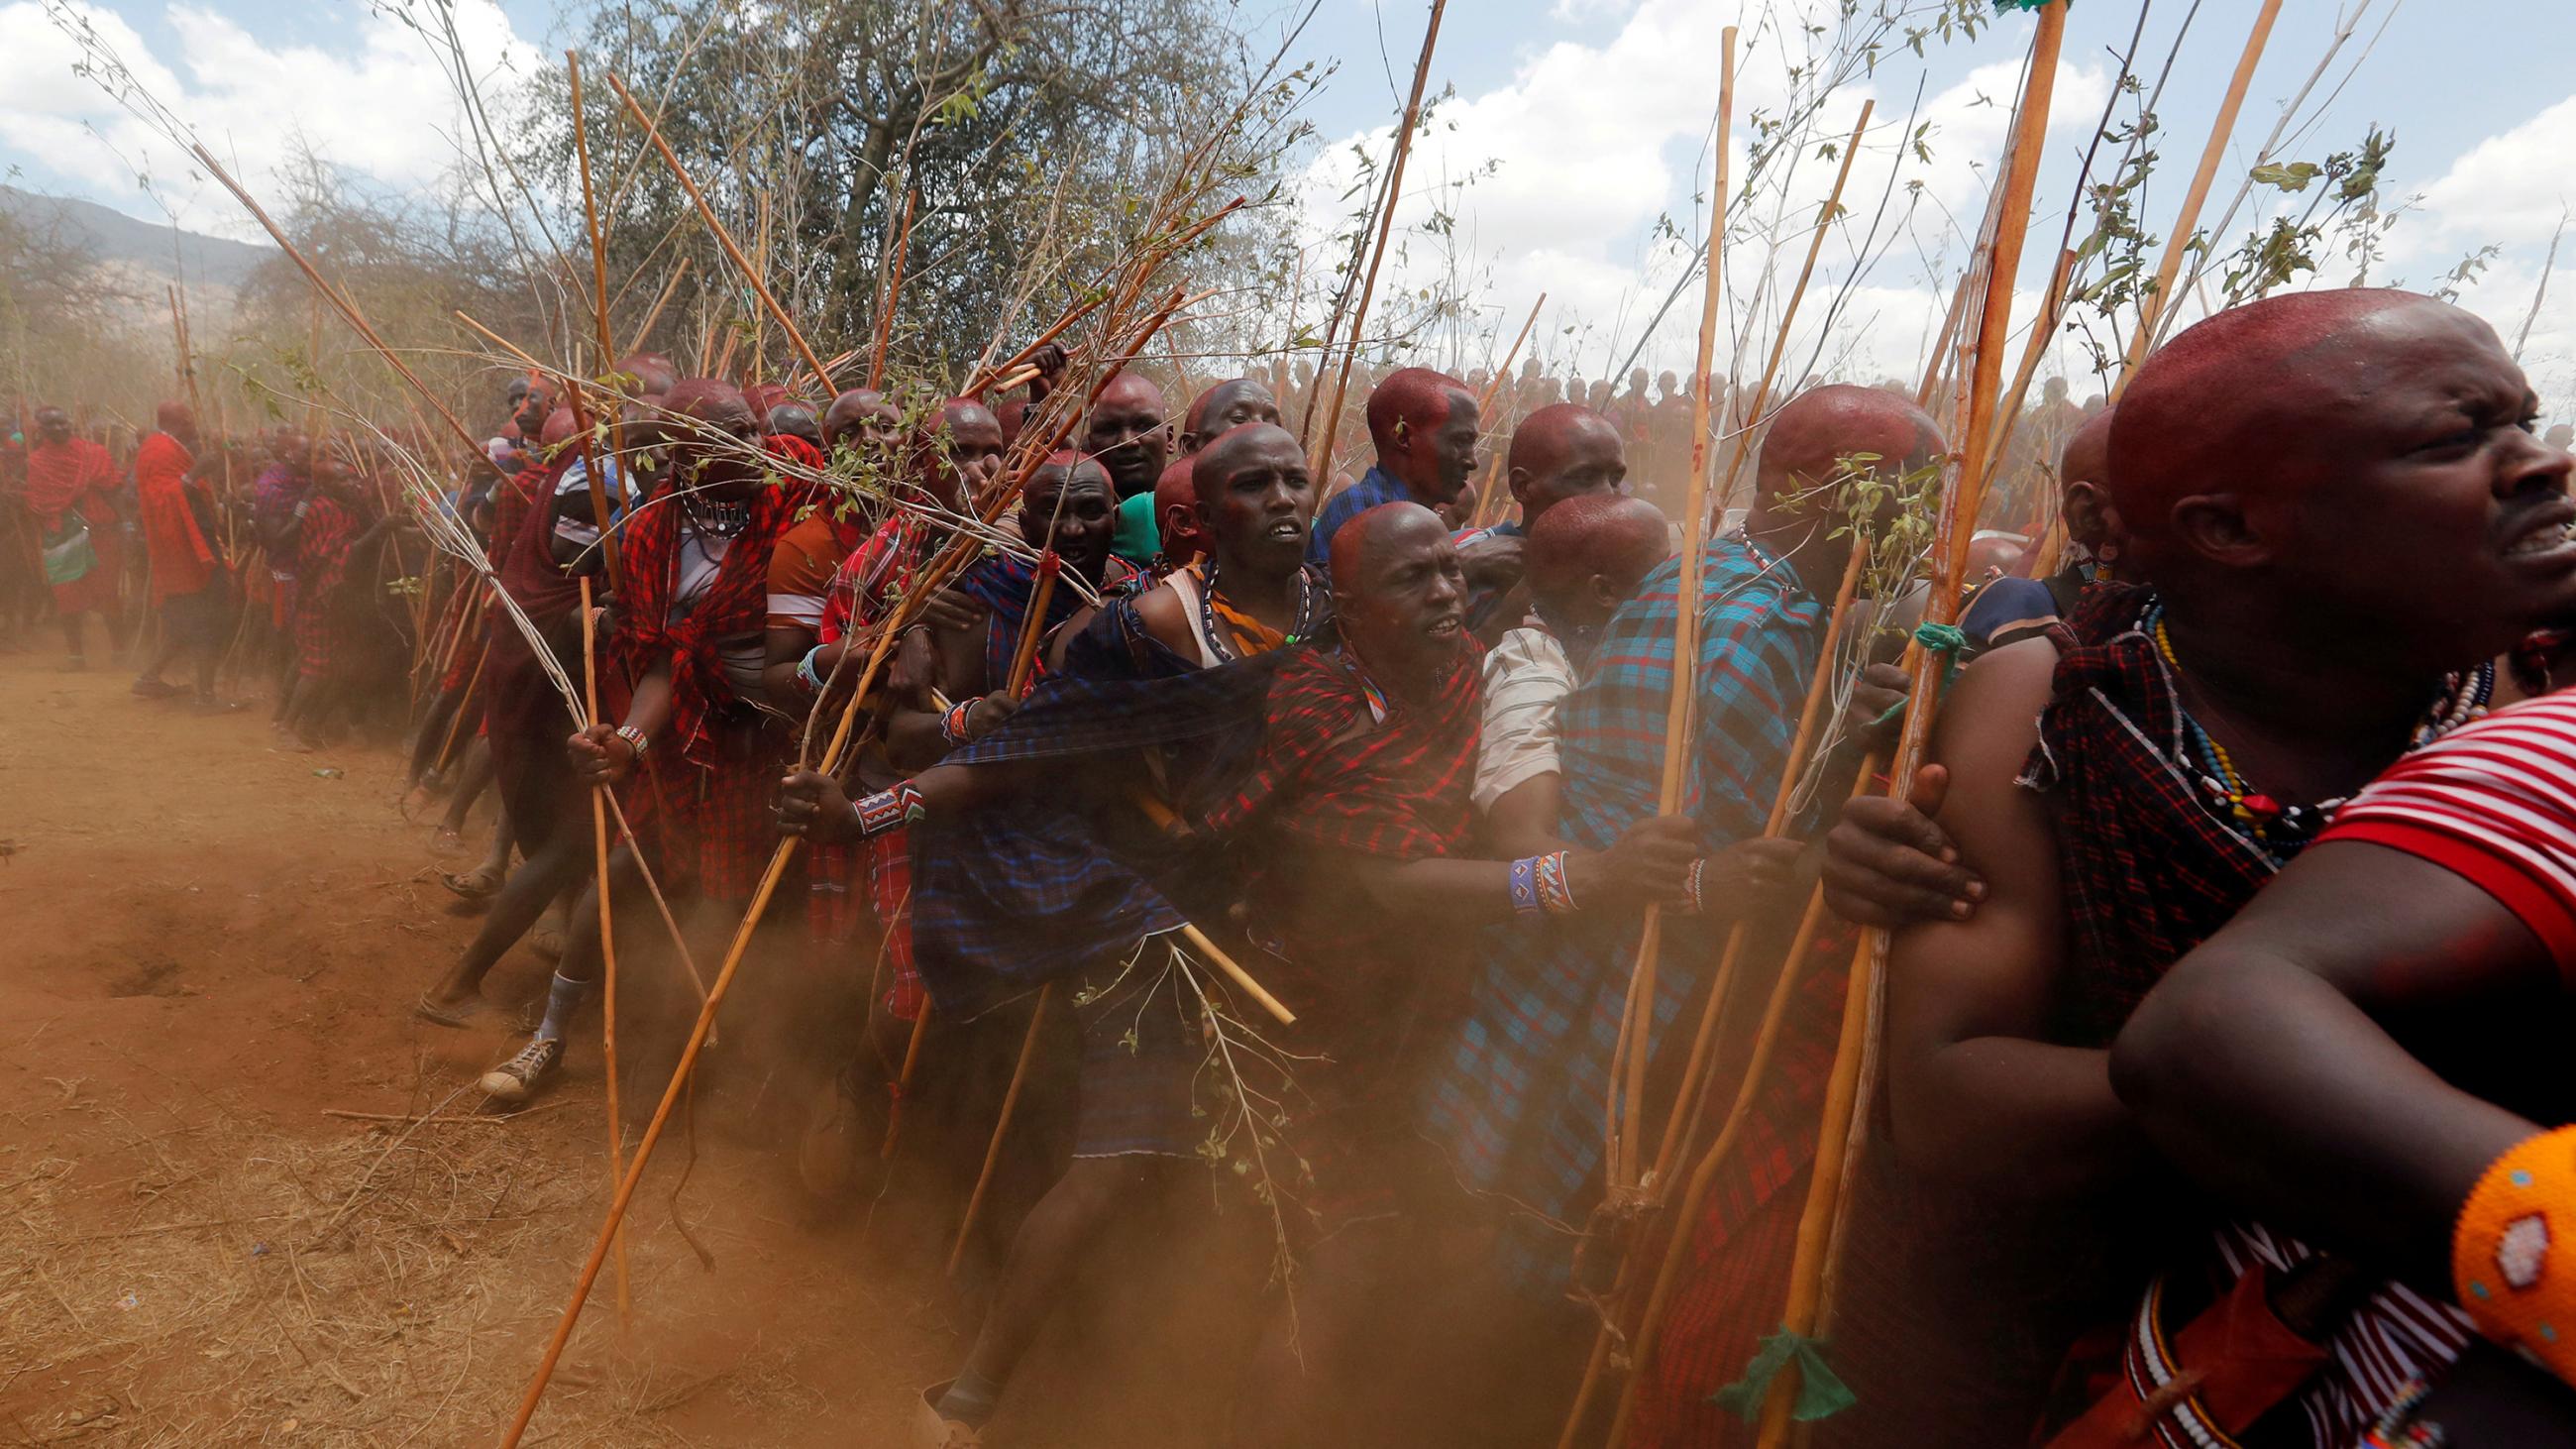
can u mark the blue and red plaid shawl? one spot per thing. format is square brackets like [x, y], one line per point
[1517, 1102]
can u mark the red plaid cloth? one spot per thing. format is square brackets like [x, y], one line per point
[881, 568]
[1735, 1281]
[701, 803]
[324, 630]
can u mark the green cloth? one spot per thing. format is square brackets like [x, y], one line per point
[1821, 1394]
[1139, 537]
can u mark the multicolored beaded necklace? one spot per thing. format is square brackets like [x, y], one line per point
[2277, 828]
[1209, 625]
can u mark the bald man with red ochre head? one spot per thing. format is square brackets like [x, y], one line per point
[1424, 424]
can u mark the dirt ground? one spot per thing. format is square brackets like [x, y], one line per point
[208, 948]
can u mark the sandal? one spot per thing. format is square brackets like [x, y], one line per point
[480, 883]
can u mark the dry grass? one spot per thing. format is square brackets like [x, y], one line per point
[375, 1289]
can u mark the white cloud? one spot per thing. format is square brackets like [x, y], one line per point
[380, 107]
[1596, 140]
[2509, 189]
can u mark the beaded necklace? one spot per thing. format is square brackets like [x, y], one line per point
[714, 519]
[1302, 624]
[2267, 821]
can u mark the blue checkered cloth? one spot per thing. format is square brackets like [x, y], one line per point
[1065, 880]
[1375, 487]
[1518, 1103]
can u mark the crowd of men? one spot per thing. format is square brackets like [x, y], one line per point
[2161, 1155]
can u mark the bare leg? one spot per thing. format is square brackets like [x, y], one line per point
[554, 867]
[1049, 1246]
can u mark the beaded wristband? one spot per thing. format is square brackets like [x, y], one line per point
[952, 725]
[635, 739]
[890, 810]
[807, 673]
[1555, 894]
[2517, 1284]
[1525, 885]
[1690, 886]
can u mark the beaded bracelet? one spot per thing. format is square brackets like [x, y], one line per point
[952, 725]
[807, 673]
[890, 810]
[1690, 886]
[2516, 1284]
[1555, 893]
[1525, 885]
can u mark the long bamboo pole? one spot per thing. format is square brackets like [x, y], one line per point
[1001, 1128]
[983, 378]
[724, 239]
[1323, 467]
[1825, 1188]
[1628, 1123]
[607, 944]
[2178, 240]
[348, 312]
[607, 345]
[1489, 502]
[1761, 398]
[644, 333]
[932, 578]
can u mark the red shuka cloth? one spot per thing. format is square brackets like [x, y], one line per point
[78, 476]
[182, 561]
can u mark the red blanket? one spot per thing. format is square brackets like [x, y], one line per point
[182, 561]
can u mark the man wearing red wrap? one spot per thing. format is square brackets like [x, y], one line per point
[71, 491]
[693, 755]
[190, 585]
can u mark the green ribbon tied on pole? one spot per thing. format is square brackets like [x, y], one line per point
[1821, 1392]
[1945, 640]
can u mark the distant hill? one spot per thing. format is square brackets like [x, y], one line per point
[117, 239]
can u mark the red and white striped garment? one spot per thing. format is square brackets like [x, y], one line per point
[2494, 803]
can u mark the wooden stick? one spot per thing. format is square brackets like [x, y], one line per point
[1001, 1126]
[644, 334]
[927, 585]
[1628, 1127]
[1235, 973]
[1024, 654]
[2538, 294]
[724, 239]
[447, 747]
[2178, 240]
[1489, 504]
[1825, 1186]
[1323, 468]
[607, 944]
[893, 288]
[348, 312]
[1789, 313]
[903, 1078]
[607, 356]
[976, 387]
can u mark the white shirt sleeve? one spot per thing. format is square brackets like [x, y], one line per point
[1526, 677]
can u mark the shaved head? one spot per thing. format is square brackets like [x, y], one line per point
[174, 418]
[860, 407]
[1810, 437]
[796, 420]
[1606, 537]
[1563, 451]
[1417, 397]
[1227, 406]
[1176, 510]
[2219, 405]
[2087, 458]
[1127, 432]
[654, 375]
[1398, 592]
[558, 429]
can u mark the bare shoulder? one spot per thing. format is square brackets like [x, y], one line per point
[1160, 610]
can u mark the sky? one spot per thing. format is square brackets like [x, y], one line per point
[1581, 124]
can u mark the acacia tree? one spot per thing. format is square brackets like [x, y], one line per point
[1025, 129]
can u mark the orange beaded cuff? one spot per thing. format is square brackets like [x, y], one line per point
[2513, 1255]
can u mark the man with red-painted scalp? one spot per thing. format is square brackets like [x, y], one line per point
[1355, 824]
[691, 752]
[1223, 407]
[2343, 516]
[71, 491]
[1424, 426]
[191, 584]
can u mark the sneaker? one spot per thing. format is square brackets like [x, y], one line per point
[515, 1080]
[934, 1430]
